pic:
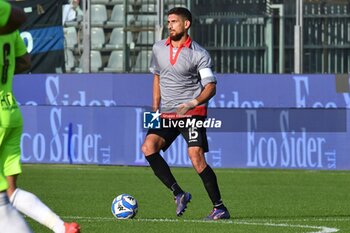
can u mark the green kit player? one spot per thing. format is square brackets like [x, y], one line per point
[15, 59]
[10, 219]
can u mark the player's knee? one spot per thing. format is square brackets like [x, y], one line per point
[199, 166]
[144, 149]
[152, 144]
[148, 148]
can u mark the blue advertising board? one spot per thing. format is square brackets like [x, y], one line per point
[268, 121]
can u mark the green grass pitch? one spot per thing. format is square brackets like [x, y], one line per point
[259, 200]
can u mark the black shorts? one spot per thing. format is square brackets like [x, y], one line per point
[194, 136]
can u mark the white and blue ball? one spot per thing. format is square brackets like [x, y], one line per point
[124, 206]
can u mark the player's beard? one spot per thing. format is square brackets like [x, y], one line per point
[177, 36]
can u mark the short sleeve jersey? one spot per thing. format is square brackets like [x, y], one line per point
[5, 10]
[11, 46]
[180, 79]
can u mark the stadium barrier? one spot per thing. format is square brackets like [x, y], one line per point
[266, 121]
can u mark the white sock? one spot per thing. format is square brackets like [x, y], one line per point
[30, 205]
[10, 219]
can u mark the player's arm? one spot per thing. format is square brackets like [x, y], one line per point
[11, 21]
[23, 59]
[208, 80]
[156, 93]
[208, 91]
[206, 94]
[23, 63]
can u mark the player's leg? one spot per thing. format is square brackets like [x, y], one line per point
[24, 201]
[197, 145]
[30, 205]
[207, 174]
[151, 148]
[10, 219]
[210, 182]
[154, 142]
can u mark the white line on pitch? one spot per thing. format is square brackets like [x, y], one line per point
[321, 229]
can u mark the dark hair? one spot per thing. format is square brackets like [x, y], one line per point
[184, 12]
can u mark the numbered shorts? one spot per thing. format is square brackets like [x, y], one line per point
[193, 136]
[10, 153]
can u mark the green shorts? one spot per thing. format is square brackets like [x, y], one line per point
[10, 154]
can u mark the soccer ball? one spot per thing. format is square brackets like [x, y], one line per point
[124, 206]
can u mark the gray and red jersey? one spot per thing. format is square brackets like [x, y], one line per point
[183, 74]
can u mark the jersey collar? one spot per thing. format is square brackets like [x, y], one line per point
[168, 43]
[187, 43]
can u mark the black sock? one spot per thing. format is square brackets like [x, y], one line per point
[162, 171]
[211, 185]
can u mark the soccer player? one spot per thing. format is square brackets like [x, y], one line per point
[183, 84]
[10, 219]
[15, 59]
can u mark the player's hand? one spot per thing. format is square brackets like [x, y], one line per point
[184, 107]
